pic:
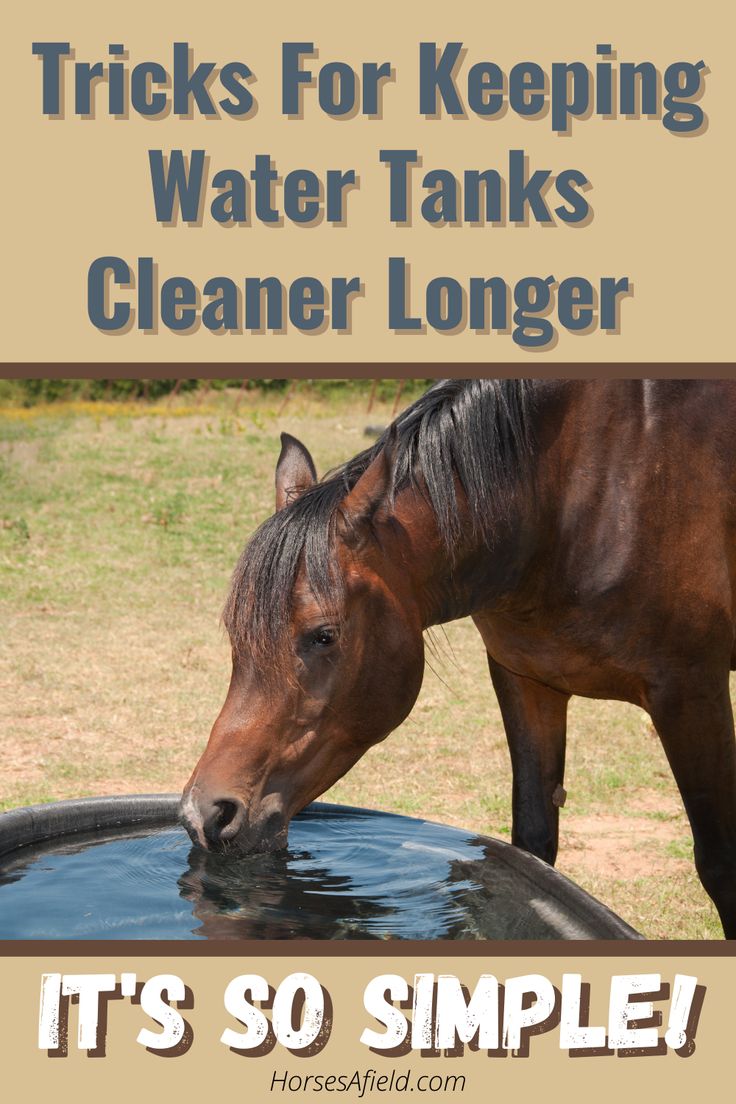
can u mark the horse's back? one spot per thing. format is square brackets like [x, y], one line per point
[664, 447]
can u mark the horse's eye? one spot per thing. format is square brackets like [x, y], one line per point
[323, 638]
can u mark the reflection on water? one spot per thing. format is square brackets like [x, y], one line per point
[347, 875]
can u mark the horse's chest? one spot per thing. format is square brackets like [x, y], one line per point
[567, 656]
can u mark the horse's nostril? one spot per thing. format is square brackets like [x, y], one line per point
[231, 817]
[224, 820]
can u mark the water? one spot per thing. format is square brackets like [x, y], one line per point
[347, 875]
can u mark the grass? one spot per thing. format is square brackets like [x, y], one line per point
[119, 526]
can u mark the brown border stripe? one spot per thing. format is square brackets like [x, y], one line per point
[368, 370]
[367, 948]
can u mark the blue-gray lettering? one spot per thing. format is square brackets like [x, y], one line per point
[179, 181]
[373, 77]
[478, 315]
[441, 205]
[568, 100]
[567, 183]
[342, 293]
[306, 303]
[336, 183]
[51, 54]
[449, 290]
[398, 294]
[301, 195]
[222, 312]
[532, 297]
[680, 115]
[84, 77]
[96, 293]
[489, 182]
[437, 78]
[575, 303]
[264, 175]
[523, 191]
[293, 76]
[635, 79]
[231, 77]
[231, 204]
[485, 88]
[398, 162]
[336, 88]
[142, 97]
[178, 303]
[116, 79]
[274, 302]
[191, 83]
[146, 289]
[526, 88]
[611, 291]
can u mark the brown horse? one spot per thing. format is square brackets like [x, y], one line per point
[588, 528]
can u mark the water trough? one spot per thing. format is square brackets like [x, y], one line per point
[123, 868]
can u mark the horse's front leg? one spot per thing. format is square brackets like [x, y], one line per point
[535, 719]
[694, 720]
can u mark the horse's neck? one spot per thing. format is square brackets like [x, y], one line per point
[450, 583]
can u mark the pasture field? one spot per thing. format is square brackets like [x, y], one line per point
[119, 526]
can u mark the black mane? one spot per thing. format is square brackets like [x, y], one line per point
[477, 430]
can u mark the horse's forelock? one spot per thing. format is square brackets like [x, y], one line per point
[298, 539]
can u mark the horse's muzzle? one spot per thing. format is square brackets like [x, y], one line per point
[223, 824]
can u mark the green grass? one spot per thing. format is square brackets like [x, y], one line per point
[119, 527]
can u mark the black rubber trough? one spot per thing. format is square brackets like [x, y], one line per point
[123, 868]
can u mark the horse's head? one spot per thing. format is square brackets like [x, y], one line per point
[327, 656]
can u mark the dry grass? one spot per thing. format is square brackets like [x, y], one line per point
[118, 532]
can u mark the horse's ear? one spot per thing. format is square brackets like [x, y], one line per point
[295, 471]
[372, 488]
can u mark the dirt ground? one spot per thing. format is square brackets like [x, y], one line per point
[622, 843]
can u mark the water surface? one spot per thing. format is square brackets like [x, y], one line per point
[348, 874]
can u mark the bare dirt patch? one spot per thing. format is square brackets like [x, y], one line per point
[625, 845]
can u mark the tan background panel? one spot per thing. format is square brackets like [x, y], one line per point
[79, 189]
[129, 1072]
